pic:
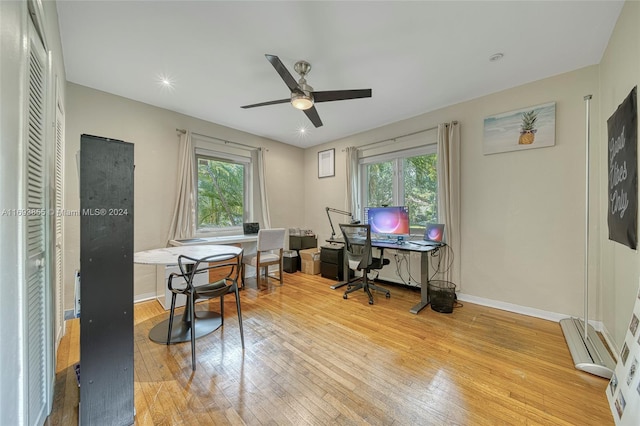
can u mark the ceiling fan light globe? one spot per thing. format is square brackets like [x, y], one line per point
[301, 101]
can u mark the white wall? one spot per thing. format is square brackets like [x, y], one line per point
[522, 212]
[153, 131]
[619, 265]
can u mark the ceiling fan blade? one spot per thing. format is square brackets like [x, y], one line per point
[340, 95]
[279, 101]
[291, 82]
[312, 113]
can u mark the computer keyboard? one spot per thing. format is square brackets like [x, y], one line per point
[426, 243]
[384, 240]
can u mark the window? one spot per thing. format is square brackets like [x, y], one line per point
[222, 198]
[404, 178]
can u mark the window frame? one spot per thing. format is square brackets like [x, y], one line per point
[397, 158]
[217, 155]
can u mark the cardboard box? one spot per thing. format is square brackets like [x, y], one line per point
[311, 267]
[310, 261]
[310, 254]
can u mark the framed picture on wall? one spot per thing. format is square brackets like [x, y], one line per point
[526, 128]
[326, 163]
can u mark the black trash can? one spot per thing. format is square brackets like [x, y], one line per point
[442, 296]
[290, 261]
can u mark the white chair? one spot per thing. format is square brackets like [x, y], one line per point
[268, 252]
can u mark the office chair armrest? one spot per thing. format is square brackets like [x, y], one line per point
[378, 262]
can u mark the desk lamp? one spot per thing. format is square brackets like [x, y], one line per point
[333, 231]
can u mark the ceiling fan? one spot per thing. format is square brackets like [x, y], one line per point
[303, 97]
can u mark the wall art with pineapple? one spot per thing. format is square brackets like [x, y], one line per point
[532, 127]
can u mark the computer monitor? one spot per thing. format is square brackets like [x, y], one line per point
[434, 232]
[249, 228]
[388, 220]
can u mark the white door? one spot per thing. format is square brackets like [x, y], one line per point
[36, 348]
[58, 216]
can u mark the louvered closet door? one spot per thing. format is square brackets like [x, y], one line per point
[35, 238]
[59, 194]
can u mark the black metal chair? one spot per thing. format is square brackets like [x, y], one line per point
[357, 238]
[228, 265]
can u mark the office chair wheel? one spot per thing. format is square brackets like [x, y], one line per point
[388, 295]
[370, 302]
[344, 296]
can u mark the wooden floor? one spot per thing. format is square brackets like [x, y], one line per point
[314, 358]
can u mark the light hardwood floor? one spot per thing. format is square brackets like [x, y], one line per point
[312, 357]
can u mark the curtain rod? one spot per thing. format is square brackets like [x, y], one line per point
[403, 136]
[183, 131]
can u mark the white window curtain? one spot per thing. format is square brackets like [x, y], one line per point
[448, 158]
[353, 187]
[183, 221]
[259, 156]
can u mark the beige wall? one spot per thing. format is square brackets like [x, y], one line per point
[153, 131]
[522, 212]
[619, 265]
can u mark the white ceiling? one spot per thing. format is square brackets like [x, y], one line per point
[416, 56]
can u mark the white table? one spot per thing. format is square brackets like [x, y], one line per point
[223, 239]
[207, 321]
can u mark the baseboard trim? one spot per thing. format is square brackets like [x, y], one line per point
[610, 342]
[144, 297]
[69, 313]
[525, 310]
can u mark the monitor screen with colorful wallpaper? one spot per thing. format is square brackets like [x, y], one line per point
[434, 232]
[388, 220]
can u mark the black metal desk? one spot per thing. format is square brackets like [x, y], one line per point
[424, 267]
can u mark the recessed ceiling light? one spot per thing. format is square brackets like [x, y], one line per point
[302, 131]
[165, 81]
[496, 57]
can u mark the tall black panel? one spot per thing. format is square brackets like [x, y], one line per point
[106, 285]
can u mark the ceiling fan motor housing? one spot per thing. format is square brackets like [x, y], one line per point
[302, 68]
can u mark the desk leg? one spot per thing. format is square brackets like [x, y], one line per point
[424, 283]
[338, 285]
[424, 300]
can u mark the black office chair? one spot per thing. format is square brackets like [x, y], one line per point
[360, 258]
[227, 267]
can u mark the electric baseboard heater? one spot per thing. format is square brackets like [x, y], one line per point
[587, 350]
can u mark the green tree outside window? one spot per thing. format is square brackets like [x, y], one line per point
[220, 193]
